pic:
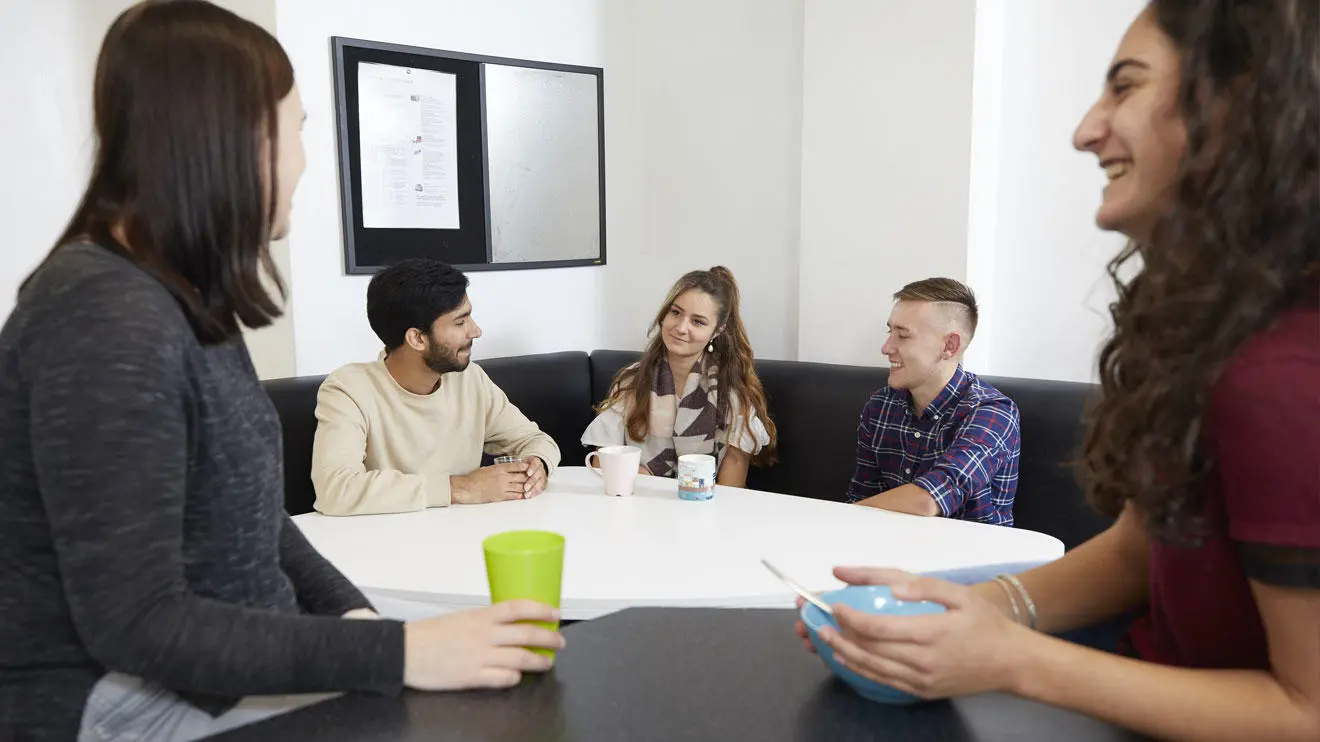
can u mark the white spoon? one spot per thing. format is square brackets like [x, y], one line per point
[806, 594]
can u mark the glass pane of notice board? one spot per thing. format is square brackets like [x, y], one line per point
[484, 162]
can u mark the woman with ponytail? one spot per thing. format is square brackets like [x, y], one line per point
[695, 390]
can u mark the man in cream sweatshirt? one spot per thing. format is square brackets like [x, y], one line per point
[407, 431]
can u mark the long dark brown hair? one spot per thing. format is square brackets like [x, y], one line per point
[733, 356]
[185, 103]
[1241, 245]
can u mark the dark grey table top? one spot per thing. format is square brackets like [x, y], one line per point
[664, 674]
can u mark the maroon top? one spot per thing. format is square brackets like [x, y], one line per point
[1262, 512]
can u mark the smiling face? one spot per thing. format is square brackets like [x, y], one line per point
[449, 345]
[690, 324]
[1136, 131]
[923, 346]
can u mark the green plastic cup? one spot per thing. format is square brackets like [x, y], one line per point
[526, 565]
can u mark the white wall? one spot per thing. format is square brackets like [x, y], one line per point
[47, 143]
[983, 184]
[885, 156]
[828, 151]
[1034, 243]
[272, 347]
[521, 311]
[44, 132]
[937, 141]
[710, 101]
[701, 132]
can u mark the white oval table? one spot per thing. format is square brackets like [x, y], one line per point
[653, 549]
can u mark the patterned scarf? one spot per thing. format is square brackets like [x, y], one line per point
[690, 421]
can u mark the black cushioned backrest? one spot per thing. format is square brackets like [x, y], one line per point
[551, 389]
[815, 407]
[295, 401]
[1049, 498]
[604, 365]
[554, 391]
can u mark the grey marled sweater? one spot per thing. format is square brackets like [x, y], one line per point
[142, 527]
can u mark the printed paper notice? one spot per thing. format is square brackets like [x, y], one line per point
[408, 140]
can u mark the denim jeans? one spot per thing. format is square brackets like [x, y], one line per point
[123, 707]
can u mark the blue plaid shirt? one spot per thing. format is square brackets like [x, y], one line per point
[963, 449]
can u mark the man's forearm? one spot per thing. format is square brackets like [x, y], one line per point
[908, 498]
[349, 490]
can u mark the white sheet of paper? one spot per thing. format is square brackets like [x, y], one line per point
[408, 139]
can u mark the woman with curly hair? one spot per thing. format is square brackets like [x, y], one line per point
[1205, 442]
[695, 390]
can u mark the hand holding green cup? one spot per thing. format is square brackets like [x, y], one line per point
[526, 565]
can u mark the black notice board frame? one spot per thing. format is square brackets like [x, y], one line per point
[469, 247]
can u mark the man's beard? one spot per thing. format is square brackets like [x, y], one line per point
[443, 360]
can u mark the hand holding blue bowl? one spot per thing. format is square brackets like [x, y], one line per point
[925, 638]
[872, 599]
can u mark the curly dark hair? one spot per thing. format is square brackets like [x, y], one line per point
[412, 293]
[1240, 245]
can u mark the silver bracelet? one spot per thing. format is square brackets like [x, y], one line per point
[1026, 598]
[1008, 590]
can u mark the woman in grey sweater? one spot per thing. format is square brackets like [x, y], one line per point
[150, 581]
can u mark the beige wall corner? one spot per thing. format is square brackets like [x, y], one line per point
[272, 347]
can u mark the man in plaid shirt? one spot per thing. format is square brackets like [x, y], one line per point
[937, 440]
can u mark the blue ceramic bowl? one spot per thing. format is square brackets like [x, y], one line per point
[867, 599]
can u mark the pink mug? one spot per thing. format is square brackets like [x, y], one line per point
[618, 467]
